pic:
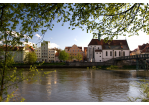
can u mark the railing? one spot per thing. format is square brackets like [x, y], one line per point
[133, 57]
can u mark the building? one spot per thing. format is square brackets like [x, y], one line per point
[18, 52]
[74, 50]
[56, 57]
[100, 51]
[47, 54]
[51, 55]
[38, 53]
[85, 54]
[142, 49]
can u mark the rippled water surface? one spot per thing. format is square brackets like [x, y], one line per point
[82, 85]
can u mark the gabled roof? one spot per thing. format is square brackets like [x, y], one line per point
[141, 47]
[95, 42]
[71, 47]
[114, 44]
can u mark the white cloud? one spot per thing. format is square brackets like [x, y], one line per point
[75, 39]
[38, 36]
[52, 45]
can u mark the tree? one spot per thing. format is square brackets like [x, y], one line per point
[71, 56]
[114, 19]
[111, 19]
[79, 57]
[30, 58]
[63, 55]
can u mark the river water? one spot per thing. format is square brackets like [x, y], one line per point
[82, 85]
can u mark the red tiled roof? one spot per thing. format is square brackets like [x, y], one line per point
[141, 47]
[67, 48]
[95, 42]
[146, 49]
[80, 48]
[113, 42]
[28, 47]
[71, 47]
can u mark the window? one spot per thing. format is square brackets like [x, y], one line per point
[115, 53]
[97, 53]
[100, 52]
[49, 51]
[110, 53]
[100, 56]
[106, 53]
[124, 53]
[100, 60]
[98, 47]
[119, 53]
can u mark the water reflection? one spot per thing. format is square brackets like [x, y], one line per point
[81, 85]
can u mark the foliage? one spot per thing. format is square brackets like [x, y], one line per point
[79, 57]
[144, 85]
[71, 56]
[111, 19]
[63, 55]
[30, 58]
[112, 67]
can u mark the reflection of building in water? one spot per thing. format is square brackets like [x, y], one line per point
[107, 83]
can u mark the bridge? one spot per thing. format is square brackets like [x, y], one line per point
[141, 60]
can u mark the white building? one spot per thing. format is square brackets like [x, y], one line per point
[18, 53]
[47, 54]
[99, 51]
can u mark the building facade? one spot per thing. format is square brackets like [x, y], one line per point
[18, 53]
[38, 53]
[74, 50]
[85, 54]
[47, 54]
[99, 51]
[142, 49]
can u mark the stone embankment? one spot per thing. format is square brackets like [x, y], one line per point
[69, 65]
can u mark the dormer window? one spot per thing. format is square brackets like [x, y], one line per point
[122, 47]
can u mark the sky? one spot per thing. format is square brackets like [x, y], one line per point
[62, 37]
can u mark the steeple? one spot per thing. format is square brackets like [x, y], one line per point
[99, 35]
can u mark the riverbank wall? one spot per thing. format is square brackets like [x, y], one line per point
[70, 65]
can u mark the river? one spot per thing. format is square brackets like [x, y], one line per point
[82, 85]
